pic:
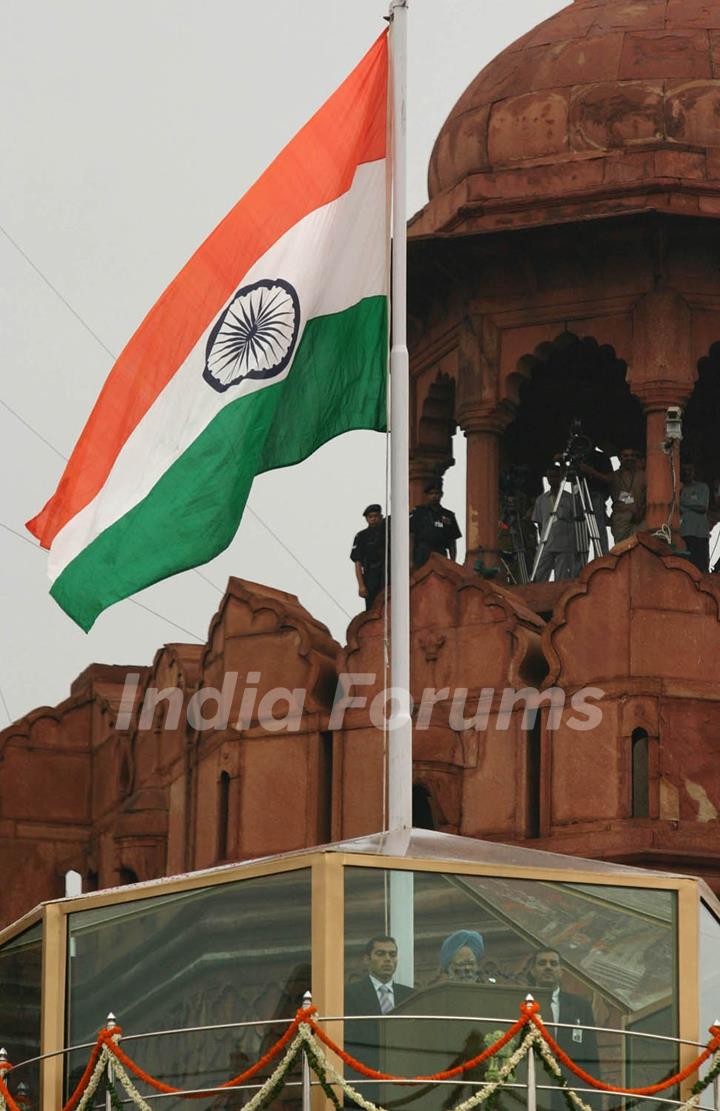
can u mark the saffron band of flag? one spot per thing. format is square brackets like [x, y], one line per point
[271, 341]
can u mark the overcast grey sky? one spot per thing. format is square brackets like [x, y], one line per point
[127, 132]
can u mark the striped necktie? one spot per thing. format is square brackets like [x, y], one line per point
[385, 997]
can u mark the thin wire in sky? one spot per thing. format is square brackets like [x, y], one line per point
[284, 546]
[134, 601]
[5, 706]
[52, 447]
[31, 429]
[55, 290]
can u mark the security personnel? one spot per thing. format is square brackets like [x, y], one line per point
[432, 527]
[368, 555]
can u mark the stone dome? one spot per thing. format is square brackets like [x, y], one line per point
[606, 96]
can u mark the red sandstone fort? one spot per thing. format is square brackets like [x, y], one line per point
[567, 264]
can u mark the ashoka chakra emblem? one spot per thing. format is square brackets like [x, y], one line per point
[255, 336]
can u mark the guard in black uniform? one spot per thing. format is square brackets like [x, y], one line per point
[368, 555]
[432, 527]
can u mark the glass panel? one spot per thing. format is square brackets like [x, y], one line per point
[474, 946]
[231, 953]
[20, 988]
[709, 971]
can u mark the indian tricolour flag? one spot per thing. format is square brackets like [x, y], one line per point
[271, 341]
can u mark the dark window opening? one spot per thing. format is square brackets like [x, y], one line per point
[640, 774]
[533, 778]
[223, 815]
[422, 815]
[127, 875]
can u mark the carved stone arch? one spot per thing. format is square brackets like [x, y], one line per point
[436, 414]
[432, 447]
[125, 767]
[701, 419]
[567, 377]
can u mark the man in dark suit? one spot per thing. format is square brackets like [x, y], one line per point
[377, 993]
[577, 1041]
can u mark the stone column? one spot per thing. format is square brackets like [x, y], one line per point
[661, 374]
[482, 432]
[658, 468]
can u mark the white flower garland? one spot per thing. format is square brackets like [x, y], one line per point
[100, 1066]
[273, 1080]
[508, 1068]
[276, 1076]
[331, 1076]
[546, 1053]
[122, 1075]
[305, 1040]
[552, 1063]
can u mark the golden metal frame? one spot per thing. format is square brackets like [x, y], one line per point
[327, 870]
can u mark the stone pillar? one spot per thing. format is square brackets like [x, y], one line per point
[661, 374]
[658, 467]
[482, 432]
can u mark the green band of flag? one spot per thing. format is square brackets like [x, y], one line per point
[192, 513]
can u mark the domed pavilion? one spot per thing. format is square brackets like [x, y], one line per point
[566, 263]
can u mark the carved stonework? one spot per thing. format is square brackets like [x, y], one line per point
[431, 643]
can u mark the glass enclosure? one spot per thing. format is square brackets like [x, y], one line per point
[710, 965]
[459, 939]
[475, 945]
[20, 1005]
[236, 952]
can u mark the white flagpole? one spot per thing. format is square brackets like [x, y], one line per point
[399, 772]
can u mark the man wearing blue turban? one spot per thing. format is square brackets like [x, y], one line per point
[460, 956]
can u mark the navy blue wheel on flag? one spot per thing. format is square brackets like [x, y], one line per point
[255, 336]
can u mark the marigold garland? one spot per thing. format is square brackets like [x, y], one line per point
[447, 1074]
[7, 1103]
[704, 1082]
[305, 1036]
[648, 1090]
[241, 1078]
[89, 1069]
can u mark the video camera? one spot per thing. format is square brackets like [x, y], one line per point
[578, 447]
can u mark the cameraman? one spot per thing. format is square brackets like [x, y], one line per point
[628, 489]
[629, 493]
[598, 469]
[560, 552]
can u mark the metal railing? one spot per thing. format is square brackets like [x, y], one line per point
[306, 1083]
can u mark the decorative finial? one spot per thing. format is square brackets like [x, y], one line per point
[307, 1000]
[529, 998]
[110, 1021]
[3, 1056]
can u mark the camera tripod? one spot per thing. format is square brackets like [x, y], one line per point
[584, 519]
[517, 566]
